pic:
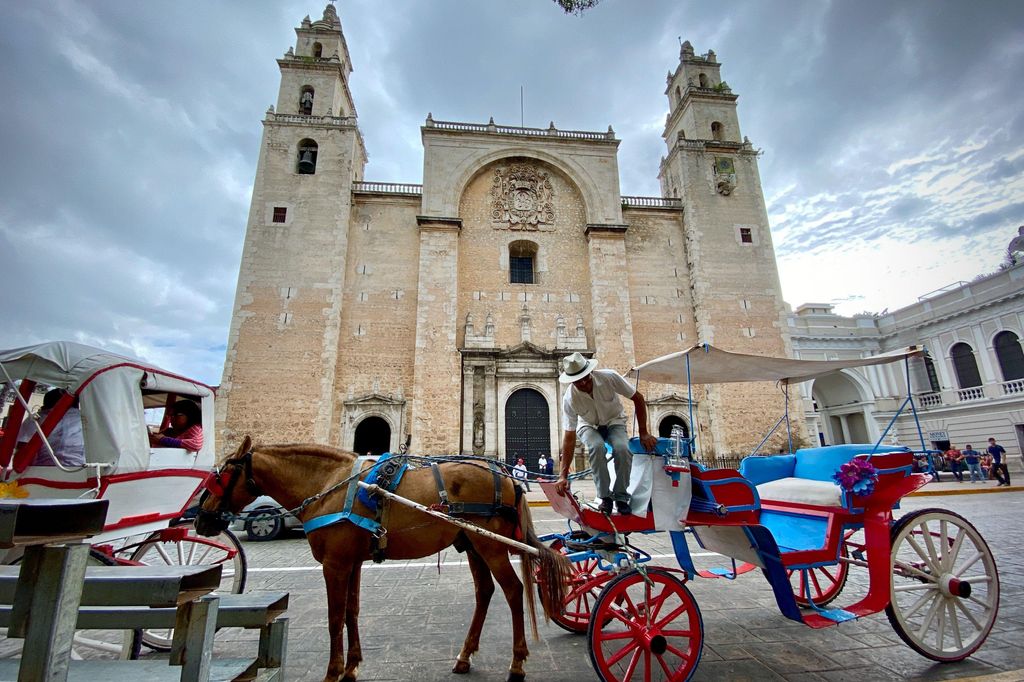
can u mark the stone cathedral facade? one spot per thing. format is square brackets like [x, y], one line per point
[375, 315]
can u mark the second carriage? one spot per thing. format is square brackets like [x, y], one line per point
[787, 516]
[149, 488]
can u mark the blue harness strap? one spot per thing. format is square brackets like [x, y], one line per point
[346, 514]
[386, 473]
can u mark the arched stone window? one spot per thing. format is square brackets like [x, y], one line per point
[306, 100]
[679, 95]
[1009, 355]
[703, 80]
[318, 50]
[306, 161]
[717, 131]
[522, 262]
[965, 365]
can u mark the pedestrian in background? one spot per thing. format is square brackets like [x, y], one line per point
[542, 465]
[998, 465]
[955, 459]
[973, 460]
[519, 473]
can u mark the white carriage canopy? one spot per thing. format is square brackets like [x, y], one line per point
[113, 392]
[710, 365]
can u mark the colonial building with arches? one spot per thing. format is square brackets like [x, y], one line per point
[376, 315]
[969, 388]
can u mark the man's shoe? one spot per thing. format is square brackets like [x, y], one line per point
[606, 505]
[623, 508]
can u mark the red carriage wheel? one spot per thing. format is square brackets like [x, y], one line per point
[584, 588]
[645, 628]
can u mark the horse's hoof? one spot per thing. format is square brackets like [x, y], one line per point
[461, 667]
[517, 677]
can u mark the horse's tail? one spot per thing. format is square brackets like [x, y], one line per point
[550, 571]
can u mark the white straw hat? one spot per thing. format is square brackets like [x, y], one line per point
[575, 367]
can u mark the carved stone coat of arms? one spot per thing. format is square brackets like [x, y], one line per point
[522, 198]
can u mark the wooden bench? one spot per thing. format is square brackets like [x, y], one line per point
[130, 597]
[262, 611]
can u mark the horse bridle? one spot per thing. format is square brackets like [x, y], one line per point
[222, 484]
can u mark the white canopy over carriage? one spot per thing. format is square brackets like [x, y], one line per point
[147, 487]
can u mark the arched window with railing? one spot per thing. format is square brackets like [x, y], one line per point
[318, 50]
[703, 80]
[717, 131]
[1009, 354]
[965, 365]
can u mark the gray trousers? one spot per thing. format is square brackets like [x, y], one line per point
[593, 440]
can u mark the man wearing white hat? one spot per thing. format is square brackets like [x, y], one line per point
[591, 409]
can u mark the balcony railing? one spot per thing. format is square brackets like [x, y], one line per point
[387, 188]
[930, 400]
[1013, 387]
[652, 202]
[515, 130]
[966, 395]
[311, 120]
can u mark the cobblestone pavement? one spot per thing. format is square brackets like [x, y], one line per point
[414, 616]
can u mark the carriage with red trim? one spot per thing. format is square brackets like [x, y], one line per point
[149, 488]
[808, 520]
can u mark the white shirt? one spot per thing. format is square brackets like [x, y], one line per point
[601, 407]
[519, 472]
[65, 439]
[542, 463]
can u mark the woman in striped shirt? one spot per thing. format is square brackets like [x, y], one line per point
[185, 429]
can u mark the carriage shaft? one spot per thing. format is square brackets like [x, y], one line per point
[374, 489]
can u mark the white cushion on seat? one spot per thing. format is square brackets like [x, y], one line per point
[802, 491]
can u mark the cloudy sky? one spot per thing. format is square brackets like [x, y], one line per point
[892, 137]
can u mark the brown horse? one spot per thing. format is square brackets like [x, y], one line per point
[292, 474]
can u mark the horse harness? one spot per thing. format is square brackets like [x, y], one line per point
[387, 474]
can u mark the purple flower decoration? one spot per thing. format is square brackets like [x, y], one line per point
[857, 476]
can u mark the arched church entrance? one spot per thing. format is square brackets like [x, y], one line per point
[842, 410]
[666, 424]
[527, 427]
[373, 436]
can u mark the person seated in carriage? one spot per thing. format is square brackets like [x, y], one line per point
[65, 438]
[185, 429]
[592, 410]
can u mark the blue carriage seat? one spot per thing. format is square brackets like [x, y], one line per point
[805, 477]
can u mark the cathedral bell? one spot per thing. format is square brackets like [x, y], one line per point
[306, 164]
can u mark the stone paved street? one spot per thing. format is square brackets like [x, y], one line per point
[414, 618]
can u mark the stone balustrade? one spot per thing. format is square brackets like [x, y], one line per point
[651, 202]
[387, 188]
[1013, 387]
[968, 394]
[515, 130]
[927, 400]
[311, 120]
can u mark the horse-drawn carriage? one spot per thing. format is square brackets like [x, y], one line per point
[805, 519]
[149, 488]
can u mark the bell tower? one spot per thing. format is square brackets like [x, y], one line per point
[288, 302]
[734, 280]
